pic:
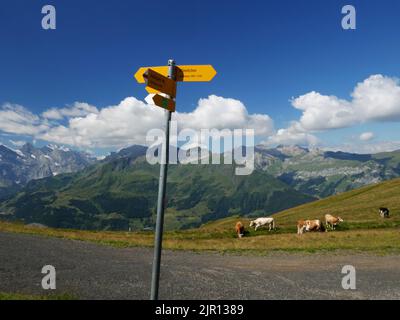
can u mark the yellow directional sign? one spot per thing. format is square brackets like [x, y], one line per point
[201, 73]
[159, 83]
[165, 103]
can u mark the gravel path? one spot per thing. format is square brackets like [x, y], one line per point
[91, 271]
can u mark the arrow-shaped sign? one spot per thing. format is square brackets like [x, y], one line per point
[161, 101]
[200, 73]
[165, 103]
[139, 74]
[160, 83]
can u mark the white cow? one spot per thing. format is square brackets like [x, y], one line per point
[260, 222]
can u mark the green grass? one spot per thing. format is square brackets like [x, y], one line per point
[382, 241]
[18, 296]
[362, 231]
[359, 209]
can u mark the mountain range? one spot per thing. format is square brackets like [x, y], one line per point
[120, 191]
[19, 166]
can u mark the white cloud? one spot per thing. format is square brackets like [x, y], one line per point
[376, 99]
[78, 109]
[128, 122]
[221, 113]
[367, 148]
[18, 120]
[367, 136]
[293, 135]
[114, 126]
[323, 112]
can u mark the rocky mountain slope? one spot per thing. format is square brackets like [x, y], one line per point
[323, 173]
[18, 167]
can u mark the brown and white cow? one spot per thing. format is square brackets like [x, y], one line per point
[309, 226]
[301, 226]
[239, 229]
[332, 221]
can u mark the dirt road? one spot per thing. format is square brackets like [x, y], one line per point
[91, 271]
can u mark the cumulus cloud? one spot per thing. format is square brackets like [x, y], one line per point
[293, 135]
[114, 126]
[323, 112]
[128, 122]
[376, 99]
[219, 113]
[367, 136]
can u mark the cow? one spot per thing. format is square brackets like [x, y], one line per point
[309, 226]
[239, 229]
[332, 221]
[314, 225]
[301, 226]
[384, 212]
[260, 222]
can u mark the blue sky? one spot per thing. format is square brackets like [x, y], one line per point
[265, 53]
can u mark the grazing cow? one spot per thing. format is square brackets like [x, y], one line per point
[309, 226]
[314, 225]
[384, 212]
[260, 222]
[301, 226]
[239, 229]
[332, 221]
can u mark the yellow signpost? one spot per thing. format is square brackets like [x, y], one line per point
[163, 80]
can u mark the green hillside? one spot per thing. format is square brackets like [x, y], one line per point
[359, 209]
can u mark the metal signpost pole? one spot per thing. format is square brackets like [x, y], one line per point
[164, 88]
[161, 197]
